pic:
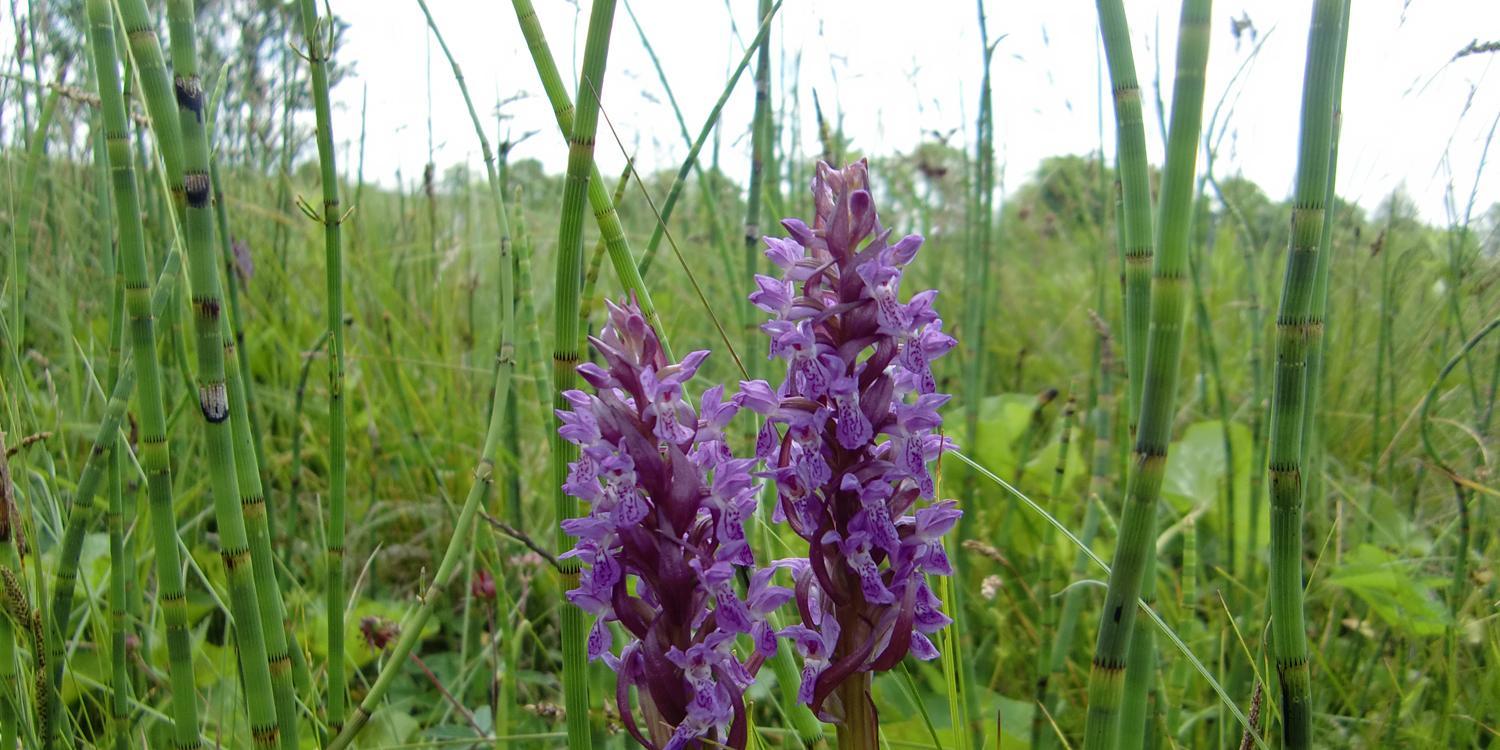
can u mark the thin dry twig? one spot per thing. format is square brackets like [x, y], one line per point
[520, 536]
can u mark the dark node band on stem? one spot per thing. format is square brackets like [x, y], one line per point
[189, 90]
[208, 307]
[234, 558]
[213, 401]
[196, 186]
[1108, 665]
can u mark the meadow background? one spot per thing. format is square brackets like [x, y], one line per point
[1399, 544]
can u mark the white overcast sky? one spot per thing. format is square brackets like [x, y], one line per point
[897, 69]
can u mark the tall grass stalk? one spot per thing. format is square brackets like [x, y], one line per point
[1040, 730]
[1212, 373]
[760, 146]
[10, 688]
[505, 348]
[1101, 471]
[317, 55]
[413, 623]
[458, 546]
[1294, 330]
[1460, 589]
[705, 185]
[659, 231]
[977, 246]
[976, 265]
[22, 227]
[1136, 547]
[154, 457]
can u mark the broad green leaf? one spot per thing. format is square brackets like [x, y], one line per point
[1404, 601]
[1196, 475]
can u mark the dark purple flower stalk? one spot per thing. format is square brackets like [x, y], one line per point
[668, 502]
[848, 438]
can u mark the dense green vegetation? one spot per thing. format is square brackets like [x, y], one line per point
[173, 258]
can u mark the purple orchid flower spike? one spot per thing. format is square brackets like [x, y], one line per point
[664, 540]
[848, 438]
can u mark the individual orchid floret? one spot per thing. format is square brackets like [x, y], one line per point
[663, 543]
[848, 438]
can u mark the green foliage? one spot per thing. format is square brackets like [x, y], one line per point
[1404, 602]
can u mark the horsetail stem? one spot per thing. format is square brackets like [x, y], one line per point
[213, 390]
[582, 182]
[154, 455]
[332, 218]
[1312, 448]
[589, 301]
[1294, 330]
[119, 562]
[598, 195]
[1134, 188]
[1135, 548]
[255, 507]
[236, 321]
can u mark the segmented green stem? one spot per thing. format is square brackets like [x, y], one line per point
[598, 194]
[317, 55]
[1134, 180]
[1136, 548]
[154, 457]
[582, 180]
[1294, 330]
[275, 625]
[236, 320]
[121, 564]
[458, 547]
[213, 391]
[1312, 449]
[588, 302]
